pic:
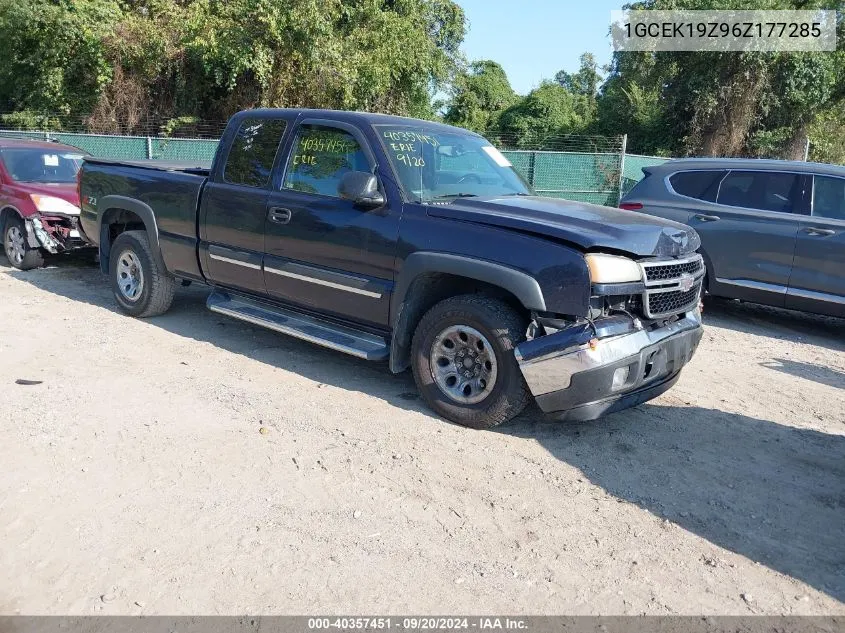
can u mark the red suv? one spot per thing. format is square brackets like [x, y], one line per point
[39, 202]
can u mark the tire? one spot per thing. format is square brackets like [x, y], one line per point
[141, 287]
[20, 254]
[501, 328]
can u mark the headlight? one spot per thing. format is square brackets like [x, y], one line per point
[51, 204]
[612, 269]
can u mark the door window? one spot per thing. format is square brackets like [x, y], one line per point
[701, 185]
[253, 151]
[768, 191]
[829, 197]
[321, 156]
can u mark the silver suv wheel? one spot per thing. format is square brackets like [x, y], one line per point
[15, 246]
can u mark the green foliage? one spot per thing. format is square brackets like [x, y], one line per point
[480, 95]
[549, 110]
[586, 81]
[52, 52]
[133, 64]
[827, 136]
[28, 120]
[722, 103]
[171, 125]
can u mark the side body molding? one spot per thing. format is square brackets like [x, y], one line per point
[404, 306]
[123, 203]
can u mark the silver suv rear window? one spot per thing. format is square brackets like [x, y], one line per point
[701, 185]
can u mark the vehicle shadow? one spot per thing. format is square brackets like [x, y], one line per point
[772, 493]
[776, 323]
[809, 371]
[80, 279]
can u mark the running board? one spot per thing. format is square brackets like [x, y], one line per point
[337, 337]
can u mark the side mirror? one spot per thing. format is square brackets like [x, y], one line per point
[361, 188]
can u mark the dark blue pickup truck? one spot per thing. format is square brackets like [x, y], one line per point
[413, 242]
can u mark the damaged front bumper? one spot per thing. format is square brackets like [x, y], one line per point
[54, 233]
[589, 370]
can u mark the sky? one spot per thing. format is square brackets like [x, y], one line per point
[533, 39]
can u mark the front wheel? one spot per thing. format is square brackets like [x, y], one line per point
[464, 364]
[20, 254]
[141, 287]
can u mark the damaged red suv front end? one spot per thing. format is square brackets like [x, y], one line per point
[39, 201]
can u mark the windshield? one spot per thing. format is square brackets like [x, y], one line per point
[30, 164]
[433, 164]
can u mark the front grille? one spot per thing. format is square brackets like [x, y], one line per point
[661, 272]
[672, 302]
[671, 287]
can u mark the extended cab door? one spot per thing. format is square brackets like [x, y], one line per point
[322, 252]
[749, 233]
[818, 273]
[234, 203]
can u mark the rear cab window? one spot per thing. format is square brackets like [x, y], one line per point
[321, 155]
[253, 152]
[829, 197]
[701, 185]
[762, 190]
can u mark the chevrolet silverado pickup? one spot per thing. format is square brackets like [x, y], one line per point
[415, 243]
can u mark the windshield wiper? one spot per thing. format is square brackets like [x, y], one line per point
[516, 193]
[455, 195]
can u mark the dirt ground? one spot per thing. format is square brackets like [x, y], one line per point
[136, 478]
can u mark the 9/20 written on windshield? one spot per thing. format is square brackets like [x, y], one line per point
[404, 146]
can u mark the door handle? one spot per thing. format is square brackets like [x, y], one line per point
[279, 215]
[813, 230]
[706, 218]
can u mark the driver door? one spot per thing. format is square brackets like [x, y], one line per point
[322, 253]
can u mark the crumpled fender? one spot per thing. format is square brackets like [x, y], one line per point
[35, 232]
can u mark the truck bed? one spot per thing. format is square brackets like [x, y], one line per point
[188, 167]
[165, 194]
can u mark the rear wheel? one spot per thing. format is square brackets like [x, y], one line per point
[19, 253]
[463, 361]
[141, 287]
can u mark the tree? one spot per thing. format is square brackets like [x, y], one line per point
[479, 95]
[369, 54]
[52, 52]
[721, 103]
[129, 64]
[632, 102]
[547, 111]
[584, 82]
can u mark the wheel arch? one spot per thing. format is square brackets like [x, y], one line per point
[430, 277]
[125, 214]
[7, 212]
[710, 273]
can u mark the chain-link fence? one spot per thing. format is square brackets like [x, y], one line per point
[592, 169]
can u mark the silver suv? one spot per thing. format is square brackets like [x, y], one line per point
[771, 231]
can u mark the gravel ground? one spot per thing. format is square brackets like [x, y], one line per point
[192, 463]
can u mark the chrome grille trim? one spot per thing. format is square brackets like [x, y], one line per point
[691, 270]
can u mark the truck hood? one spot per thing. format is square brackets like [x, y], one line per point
[589, 226]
